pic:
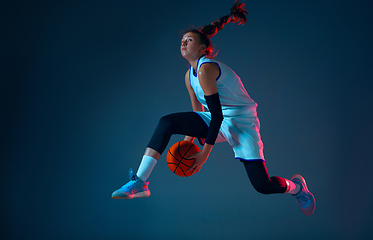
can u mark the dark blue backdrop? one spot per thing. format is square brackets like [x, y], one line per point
[83, 84]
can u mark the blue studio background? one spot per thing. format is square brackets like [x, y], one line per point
[83, 84]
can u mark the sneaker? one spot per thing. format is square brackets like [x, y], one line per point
[135, 188]
[305, 199]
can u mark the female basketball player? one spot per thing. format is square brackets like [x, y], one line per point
[232, 117]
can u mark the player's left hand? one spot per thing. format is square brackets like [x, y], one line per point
[200, 159]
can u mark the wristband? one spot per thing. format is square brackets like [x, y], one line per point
[214, 106]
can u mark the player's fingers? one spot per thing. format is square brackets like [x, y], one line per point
[196, 169]
[190, 156]
[192, 167]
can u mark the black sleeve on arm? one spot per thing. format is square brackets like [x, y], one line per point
[214, 106]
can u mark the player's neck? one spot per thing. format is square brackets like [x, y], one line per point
[194, 62]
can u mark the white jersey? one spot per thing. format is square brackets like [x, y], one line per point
[240, 126]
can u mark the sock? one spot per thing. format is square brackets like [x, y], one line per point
[293, 188]
[146, 167]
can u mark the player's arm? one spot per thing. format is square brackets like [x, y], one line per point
[196, 105]
[207, 75]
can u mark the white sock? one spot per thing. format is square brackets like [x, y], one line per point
[146, 167]
[293, 188]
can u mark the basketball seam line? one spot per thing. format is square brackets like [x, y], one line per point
[182, 157]
[177, 165]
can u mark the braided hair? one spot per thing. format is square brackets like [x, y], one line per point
[236, 15]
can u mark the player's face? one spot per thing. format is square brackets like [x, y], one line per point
[190, 47]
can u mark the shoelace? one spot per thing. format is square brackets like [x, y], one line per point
[133, 179]
[129, 185]
[132, 176]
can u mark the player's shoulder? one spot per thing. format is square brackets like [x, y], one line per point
[209, 69]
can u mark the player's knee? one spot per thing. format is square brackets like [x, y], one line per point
[165, 121]
[168, 123]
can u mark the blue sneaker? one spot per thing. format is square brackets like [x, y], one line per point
[305, 199]
[135, 188]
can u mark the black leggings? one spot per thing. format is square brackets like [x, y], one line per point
[259, 178]
[191, 124]
[185, 123]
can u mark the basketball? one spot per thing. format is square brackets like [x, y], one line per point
[177, 159]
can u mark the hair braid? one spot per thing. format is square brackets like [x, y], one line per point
[237, 14]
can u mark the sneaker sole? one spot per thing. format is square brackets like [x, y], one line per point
[136, 195]
[141, 194]
[119, 197]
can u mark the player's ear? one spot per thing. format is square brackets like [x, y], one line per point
[203, 47]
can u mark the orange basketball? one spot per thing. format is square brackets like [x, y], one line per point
[177, 159]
